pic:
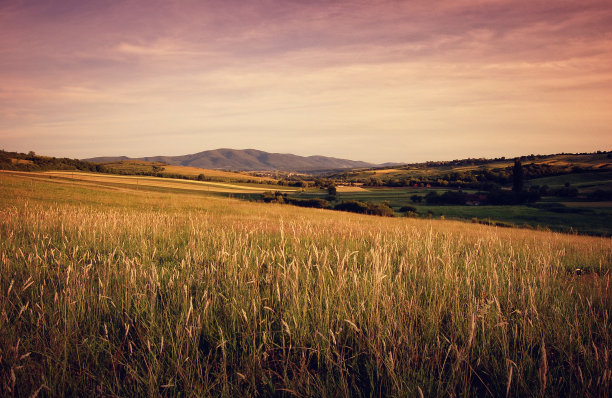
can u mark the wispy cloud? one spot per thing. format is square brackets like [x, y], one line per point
[158, 49]
[339, 78]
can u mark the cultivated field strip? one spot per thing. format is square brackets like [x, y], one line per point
[143, 181]
[159, 182]
[123, 294]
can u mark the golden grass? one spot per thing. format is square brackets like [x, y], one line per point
[386, 171]
[144, 181]
[347, 188]
[185, 170]
[122, 294]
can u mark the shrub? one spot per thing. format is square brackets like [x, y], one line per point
[315, 203]
[354, 206]
[408, 209]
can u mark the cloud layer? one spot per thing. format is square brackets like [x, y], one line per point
[370, 80]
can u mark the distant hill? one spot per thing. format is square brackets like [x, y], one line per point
[249, 160]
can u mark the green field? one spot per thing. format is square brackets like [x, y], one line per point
[397, 197]
[575, 216]
[118, 291]
[586, 182]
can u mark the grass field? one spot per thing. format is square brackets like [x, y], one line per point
[149, 183]
[584, 217]
[586, 182]
[127, 292]
[139, 166]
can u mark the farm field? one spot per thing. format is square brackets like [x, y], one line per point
[577, 216]
[149, 183]
[585, 181]
[137, 166]
[108, 289]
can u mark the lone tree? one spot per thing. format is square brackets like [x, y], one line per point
[517, 176]
[331, 192]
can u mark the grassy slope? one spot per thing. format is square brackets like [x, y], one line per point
[589, 220]
[150, 183]
[586, 182]
[136, 166]
[600, 161]
[131, 293]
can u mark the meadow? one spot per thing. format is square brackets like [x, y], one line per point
[136, 167]
[117, 290]
[559, 214]
[149, 183]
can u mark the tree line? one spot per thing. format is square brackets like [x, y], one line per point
[32, 162]
[353, 206]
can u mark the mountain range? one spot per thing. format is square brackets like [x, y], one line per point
[249, 160]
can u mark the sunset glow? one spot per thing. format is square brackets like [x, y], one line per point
[367, 80]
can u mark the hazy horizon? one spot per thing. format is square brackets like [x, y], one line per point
[380, 81]
[320, 154]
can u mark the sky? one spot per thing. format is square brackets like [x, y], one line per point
[377, 80]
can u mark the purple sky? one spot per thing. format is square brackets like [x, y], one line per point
[369, 80]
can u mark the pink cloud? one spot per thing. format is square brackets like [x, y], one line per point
[344, 68]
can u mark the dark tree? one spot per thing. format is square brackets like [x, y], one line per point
[331, 192]
[517, 176]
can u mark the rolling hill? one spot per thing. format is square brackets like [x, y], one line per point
[160, 169]
[249, 160]
[430, 172]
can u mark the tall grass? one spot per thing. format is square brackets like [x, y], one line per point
[129, 294]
